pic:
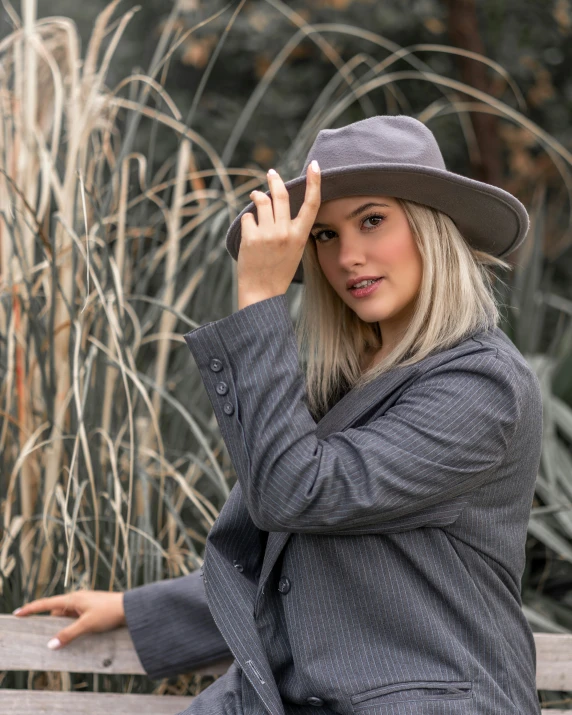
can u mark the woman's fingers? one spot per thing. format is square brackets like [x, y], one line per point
[312, 199]
[280, 201]
[43, 604]
[65, 612]
[68, 634]
[274, 213]
[57, 606]
[264, 209]
[95, 612]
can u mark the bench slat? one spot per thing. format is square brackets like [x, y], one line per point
[553, 661]
[44, 702]
[23, 647]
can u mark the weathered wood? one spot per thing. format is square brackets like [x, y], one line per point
[553, 661]
[44, 702]
[23, 646]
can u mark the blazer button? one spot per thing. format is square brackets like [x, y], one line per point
[228, 408]
[314, 701]
[215, 365]
[284, 585]
[237, 566]
[221, 388]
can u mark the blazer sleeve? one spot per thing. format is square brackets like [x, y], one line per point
[171, 626]
[444, 436]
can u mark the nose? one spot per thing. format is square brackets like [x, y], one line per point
[350, 251]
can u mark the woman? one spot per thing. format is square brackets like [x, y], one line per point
[369, 558]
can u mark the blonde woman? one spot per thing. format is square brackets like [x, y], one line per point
[369, 558]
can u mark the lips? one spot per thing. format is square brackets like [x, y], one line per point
[367, 290]
[352, 281]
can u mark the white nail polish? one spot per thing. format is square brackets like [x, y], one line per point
[272, 172]
[16, 611]
[54, 644]
[315, 166]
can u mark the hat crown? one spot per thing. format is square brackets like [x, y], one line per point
[377, 140]
[399, 156]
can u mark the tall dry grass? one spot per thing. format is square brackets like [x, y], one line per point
[112, 466]
[93, 245]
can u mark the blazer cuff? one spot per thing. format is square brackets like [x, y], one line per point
[262, 330]
[171, 626]
[236, 328]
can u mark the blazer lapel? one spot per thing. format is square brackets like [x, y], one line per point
[230, 596]
[355, 406]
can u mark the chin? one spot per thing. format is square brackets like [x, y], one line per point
[371, 313]
[370, 316]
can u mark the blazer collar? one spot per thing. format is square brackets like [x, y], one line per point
[356, 403]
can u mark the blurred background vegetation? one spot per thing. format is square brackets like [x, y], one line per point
[130, 138]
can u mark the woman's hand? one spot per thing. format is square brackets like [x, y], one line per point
[271, 250]
[96, 612]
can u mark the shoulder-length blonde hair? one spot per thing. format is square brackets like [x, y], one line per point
[456, 298]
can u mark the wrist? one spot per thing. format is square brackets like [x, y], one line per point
[246, 299]
[122, 605]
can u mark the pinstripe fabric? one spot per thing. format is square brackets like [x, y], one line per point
[172, 627]
[380, 550]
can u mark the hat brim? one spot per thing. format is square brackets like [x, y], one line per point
[489, 218]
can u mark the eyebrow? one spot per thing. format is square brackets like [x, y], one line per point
[354, 213]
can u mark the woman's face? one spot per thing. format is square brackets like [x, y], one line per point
[370, 236]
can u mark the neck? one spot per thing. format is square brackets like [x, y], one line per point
[390, 338]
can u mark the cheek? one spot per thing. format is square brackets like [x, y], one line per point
[326, 263]
[404, 261]
[416, 264]
[401, 252]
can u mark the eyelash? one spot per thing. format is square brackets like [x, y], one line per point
[365, 218]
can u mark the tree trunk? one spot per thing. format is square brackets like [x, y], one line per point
[464, 33]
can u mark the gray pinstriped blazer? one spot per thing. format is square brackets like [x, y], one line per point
[369, 563]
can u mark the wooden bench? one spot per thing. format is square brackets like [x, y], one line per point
[23, 647]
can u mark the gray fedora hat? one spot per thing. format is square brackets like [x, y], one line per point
[399, 156]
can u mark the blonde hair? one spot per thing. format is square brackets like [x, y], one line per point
[456, 298]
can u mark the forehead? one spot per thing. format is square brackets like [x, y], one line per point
[347, 203]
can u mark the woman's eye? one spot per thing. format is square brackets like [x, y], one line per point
[376, 218]
[317, 235]
[322, 236]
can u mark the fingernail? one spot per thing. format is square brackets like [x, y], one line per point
[271, 171]
[315, 166]
[16, 611]
[54, 644]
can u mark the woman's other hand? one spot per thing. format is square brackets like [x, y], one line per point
[96, 612]
[271, 250]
